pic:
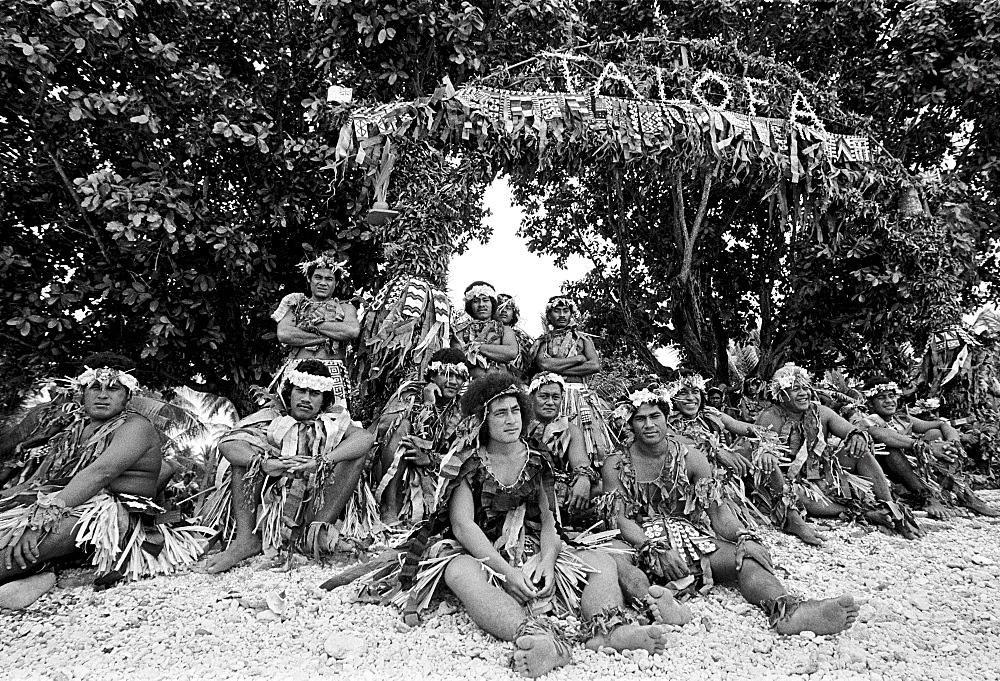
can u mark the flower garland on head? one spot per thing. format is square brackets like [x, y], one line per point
[105, 377]
[546, 378]
[300, 379]
[439, 368]
[693, 381]
[563, 301]
[787, 376]
[889, 387]
[628, 406]
[480, 290]
[324, 261]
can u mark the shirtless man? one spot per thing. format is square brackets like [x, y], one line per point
[924, 456]
[817, 467]
[509, 314]
[320, 325]
[696, 421]
[111, 457]
[294, 466]
[488, 344]
[664, 498]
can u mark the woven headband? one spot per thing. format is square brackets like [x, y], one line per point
[480, 290]
[546, 378]
[889, 387]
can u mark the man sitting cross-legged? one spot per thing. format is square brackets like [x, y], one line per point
[415, 430]
[924, 456]
[831, 480]
[665, 499]
[293, 469]
[86, 473]
[501, 544]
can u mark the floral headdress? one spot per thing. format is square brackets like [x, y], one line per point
[546, 378]
[105, 377]
[695, 381]
[787, 376]
[627, 407]
[301, 379]
[324, 261]
[480, 290]
[562, 301]
[438, 368]
[505, 300]
[889, 387]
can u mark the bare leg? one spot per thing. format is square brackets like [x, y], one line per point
[18, 592]
[392, 498]
[759, 587]
[898, 468]
[602, 594]
[247, 542]
[497, 613]
[776, 489]
[346, 475]
[635, 586]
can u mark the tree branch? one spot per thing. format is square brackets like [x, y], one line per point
[76, 200]
[699, 219]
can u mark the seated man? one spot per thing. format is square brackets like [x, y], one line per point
[752, 400]
[666, 500]
[293, 468]
[318, 326]
[86, 480]
[488, 344]
[576, 478]
[415, 430]
[707, 426]
[924, 456]
[567, 351]
[823, 475]
[502, 544]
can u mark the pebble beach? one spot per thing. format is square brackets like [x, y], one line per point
[931, 610]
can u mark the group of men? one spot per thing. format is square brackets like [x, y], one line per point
[510, 481]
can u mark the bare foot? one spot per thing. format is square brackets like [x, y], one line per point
[666, 609]
[538, 654]
[798, 527]
[935, 509]
[907, 527]
[977, 505]
[21, 593]
[237, 551]
[631, 637]
[829, 616]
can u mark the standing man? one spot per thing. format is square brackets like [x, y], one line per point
[318, 326]
[570, 353]
[488, 344]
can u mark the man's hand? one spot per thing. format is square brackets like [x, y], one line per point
[24, 553]
[278, 467]
[579, 496]
[753, 550]
[415, 450]
[733, 461]
[543, 576]
[518, 586]
[856, 446]
[670, 564]
[945, 451]
[431, 393]
[767, 462]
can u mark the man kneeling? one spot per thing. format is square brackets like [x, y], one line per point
[85, 478]
[294, 467]
[669, 505]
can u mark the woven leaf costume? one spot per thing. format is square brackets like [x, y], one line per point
[581, 405]
[434, 428]
[127, 535]
[475, 332]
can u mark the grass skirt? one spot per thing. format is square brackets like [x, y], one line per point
[584, 408]
[123, 534]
